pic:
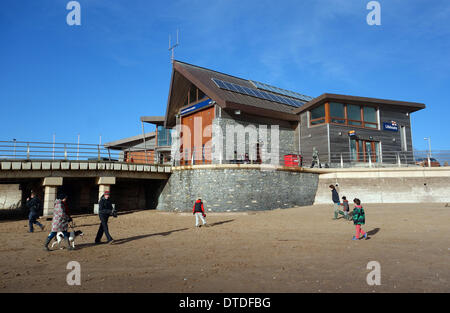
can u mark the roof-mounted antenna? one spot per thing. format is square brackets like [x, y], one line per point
[172, 48]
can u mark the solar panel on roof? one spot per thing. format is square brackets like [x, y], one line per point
[280, 91]
[257, 93]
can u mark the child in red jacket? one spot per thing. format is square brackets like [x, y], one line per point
[199, 211]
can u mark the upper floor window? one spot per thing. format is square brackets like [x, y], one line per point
[344, 114]
[318, 115]
[194, 94]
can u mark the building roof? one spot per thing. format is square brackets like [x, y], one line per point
[157, 120]
[135, 142]
[410, 106]
[183, 74]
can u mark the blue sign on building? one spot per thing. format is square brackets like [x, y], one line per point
[195, 107]
[392, 126]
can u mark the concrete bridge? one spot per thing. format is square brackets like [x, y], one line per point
[133, 186]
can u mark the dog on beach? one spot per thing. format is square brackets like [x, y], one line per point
[72, 235]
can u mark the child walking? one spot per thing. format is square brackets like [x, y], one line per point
[359, 219]
[346, 208]
[199, 211]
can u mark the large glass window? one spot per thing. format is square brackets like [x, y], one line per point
[318, 115]
[337, 112]
[164, 136]
[370, 117]
[346, 114]
[354, 114]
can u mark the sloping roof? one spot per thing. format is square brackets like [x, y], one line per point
[183, 74]
[411, 106]
[135, 142]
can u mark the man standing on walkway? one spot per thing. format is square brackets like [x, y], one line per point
[105, 210]
[34, 205]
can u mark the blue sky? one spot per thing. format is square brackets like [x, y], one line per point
[100, 77]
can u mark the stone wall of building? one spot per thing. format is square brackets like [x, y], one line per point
[237, 188]
[286, 139]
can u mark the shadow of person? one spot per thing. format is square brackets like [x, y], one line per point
[220, 223]
[125, 240]
[373, 231]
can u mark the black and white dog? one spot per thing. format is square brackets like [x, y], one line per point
[72, 235]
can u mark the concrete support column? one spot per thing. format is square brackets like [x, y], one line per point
[104, 184]
[51, 184]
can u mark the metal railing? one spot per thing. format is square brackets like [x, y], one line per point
[45, 151]
[48, 151]
[206, 155]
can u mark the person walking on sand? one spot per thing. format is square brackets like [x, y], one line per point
[336, 201]
[346, 208]
[359, 218]
[199, 211]
[60, 221]
[105, 210]
[34, 205]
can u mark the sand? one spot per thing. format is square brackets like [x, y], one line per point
[291, 250]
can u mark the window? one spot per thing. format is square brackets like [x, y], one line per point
[318, 115]
[354, 115]
[194, 94]
[345, 114]
[164, 136]
[370, 117]
[337, 112]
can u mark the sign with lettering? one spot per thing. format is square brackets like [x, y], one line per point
[392, 126]
[195, 107]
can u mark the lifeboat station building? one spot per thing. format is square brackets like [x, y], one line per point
[212, 117]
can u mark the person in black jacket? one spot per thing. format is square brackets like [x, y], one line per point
[336, 201]
[105, 210]
[34, 205]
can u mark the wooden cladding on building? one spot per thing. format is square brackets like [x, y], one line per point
[140, 157]
[196, 136]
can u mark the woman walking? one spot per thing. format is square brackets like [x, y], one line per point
[60, 221]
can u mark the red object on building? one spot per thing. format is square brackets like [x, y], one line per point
[292, 160]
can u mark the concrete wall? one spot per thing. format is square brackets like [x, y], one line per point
[400, 185]
[10, 196]
[237, 188]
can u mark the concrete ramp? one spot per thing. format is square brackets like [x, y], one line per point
[386, 185]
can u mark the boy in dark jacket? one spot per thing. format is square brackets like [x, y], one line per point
[199, 211]
[34, 205]
[359, 218]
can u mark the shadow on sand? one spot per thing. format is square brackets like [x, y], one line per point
[126, 240]
[372, 232]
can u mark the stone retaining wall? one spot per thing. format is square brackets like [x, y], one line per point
[237, 188]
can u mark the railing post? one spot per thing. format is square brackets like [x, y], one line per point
[399, 160]
[28, 150]
[109, 153]
[370, 159]
[342, 162]
[65, 152]
[429, 162]
[98, 148]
